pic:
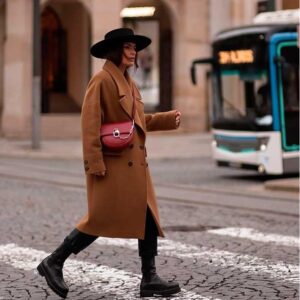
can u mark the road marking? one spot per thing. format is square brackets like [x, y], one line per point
[255, 235]
[244, 262]
[100, 279]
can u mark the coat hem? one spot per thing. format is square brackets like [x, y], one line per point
[108, 235]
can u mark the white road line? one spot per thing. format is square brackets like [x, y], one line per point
[258, 236]
[244, 262]
[100, 279]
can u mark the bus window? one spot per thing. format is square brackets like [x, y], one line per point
[245, 98]
[289, 94]
[233, 95]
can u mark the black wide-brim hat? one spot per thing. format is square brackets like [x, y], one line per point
[114, 37]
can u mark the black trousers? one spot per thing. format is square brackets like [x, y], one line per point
[147, 247]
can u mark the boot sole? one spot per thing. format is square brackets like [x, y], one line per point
[43, 273]
[151, 293]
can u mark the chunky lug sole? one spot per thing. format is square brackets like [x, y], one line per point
[43, 273]
[151, 293]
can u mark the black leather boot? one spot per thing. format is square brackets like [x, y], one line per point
[52, 266]
[152, 284]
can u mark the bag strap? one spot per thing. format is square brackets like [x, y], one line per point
[133, 106]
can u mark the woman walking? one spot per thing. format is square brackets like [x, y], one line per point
[121, 199]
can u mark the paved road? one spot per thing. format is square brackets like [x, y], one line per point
[222, 242]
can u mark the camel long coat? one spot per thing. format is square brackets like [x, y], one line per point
[117, 202]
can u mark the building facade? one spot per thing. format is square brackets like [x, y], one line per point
[181, 31]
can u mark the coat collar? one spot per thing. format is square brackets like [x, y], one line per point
[126, 90]
[118, 77]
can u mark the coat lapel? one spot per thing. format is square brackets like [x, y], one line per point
[125, 97]
[139, 112]
[125, 90]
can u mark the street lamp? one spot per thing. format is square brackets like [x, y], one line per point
[36, 80]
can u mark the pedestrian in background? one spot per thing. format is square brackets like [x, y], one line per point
[120, 194]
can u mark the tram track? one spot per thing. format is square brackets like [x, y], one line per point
[180, 194]
[270, 195]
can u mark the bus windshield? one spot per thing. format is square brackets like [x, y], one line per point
[244, 97]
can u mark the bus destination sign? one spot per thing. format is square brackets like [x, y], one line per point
[232, 57]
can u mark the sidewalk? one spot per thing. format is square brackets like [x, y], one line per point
[161, 146]
[174, 145]
[287, 185]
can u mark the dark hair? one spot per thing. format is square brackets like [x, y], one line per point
[115, 55]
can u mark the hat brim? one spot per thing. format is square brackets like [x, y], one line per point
[101, 48]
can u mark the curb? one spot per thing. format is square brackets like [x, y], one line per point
[288, 185]
[40, 155]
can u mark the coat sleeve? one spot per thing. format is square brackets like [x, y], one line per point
[91, 115]
[161, 121]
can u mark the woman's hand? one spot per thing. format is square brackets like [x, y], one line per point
[177, 118]
[102, 174]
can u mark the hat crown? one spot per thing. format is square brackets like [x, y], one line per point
[117, 36]
[117, 33]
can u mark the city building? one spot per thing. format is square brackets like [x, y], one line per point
[181, 30]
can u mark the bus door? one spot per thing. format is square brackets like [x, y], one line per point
[284, 73]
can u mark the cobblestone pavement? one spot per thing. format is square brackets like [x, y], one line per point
[214, 252]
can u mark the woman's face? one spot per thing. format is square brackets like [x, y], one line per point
[129, 53]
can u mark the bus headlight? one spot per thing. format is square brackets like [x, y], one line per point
[261, 169]
[214, 143]
[262, 143]
[263, 147]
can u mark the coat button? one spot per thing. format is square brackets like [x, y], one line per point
[146, 165]
[142, 147]
[131, 146]
[85, 162]
[86, 168]
[130, 163]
